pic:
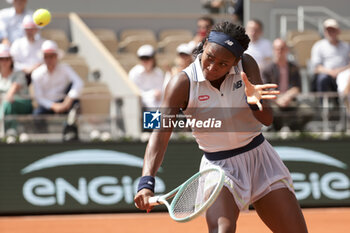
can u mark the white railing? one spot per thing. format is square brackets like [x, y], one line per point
[283, 17]
[301, 16]
[302, 10]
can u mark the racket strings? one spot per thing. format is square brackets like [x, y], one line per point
[195, 194]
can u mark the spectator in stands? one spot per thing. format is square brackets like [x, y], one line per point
[259, 48]
[183, 59]
[148, 77]
[329, 57]
[56, 85]
[13, 88]
[287, 109]
[234, 7]
[237, 11]
[213, 6]
[12, 19]
[204, 25]
[26, 50]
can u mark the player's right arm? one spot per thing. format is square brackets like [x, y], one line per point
[175, 97]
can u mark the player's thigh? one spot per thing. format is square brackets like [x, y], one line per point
[222, 215]
[281, 212]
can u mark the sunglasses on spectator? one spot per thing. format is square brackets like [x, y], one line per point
[49, 55]
[145, 58]
[5, 58]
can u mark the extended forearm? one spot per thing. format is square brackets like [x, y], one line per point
[155, 151]
[12, 91]
[265, 116]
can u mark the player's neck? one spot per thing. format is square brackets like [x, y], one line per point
[217, 83]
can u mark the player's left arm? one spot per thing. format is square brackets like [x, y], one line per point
[257, 93]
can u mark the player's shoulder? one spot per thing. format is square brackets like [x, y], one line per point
[248, 59]
[190, 71]
[177, 90]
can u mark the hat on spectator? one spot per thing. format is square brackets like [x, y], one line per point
[145, 51]
[330, 23]
[28, 22]
[184, 48]
[4, 51]
[50, 46]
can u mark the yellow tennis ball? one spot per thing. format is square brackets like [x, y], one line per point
[42, 17]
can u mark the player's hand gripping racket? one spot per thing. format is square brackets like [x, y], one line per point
[194, 196]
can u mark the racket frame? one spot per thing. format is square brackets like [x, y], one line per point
[162, 199]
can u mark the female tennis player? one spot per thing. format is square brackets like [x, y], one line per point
[254, 172]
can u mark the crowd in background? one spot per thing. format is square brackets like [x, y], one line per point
[27, 60]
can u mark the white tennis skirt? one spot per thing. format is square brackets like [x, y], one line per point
[253, 174]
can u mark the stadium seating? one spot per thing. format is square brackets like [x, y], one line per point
[294, 34]
[170, 43]
[165, 60]
[301, 48]
[345, 35]
[57, 35]
[186, 34]
[127, 60]
[107, 37]
[132, 43]
[141, 33]
[95, 99]
[79, 65]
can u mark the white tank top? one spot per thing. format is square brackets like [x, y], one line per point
[239, 126]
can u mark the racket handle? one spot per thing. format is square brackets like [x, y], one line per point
[153, 201]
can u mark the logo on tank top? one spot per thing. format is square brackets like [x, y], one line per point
[237, 85]
[151, 119]
[203, 97]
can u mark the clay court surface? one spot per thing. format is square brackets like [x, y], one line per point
[330, 220]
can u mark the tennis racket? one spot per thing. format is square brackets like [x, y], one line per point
[194, 196]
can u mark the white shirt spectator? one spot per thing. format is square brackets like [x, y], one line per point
[326, 54]
[261, 51]
[49, 88]
[148, 83]
[26, 54]
[13, 23]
